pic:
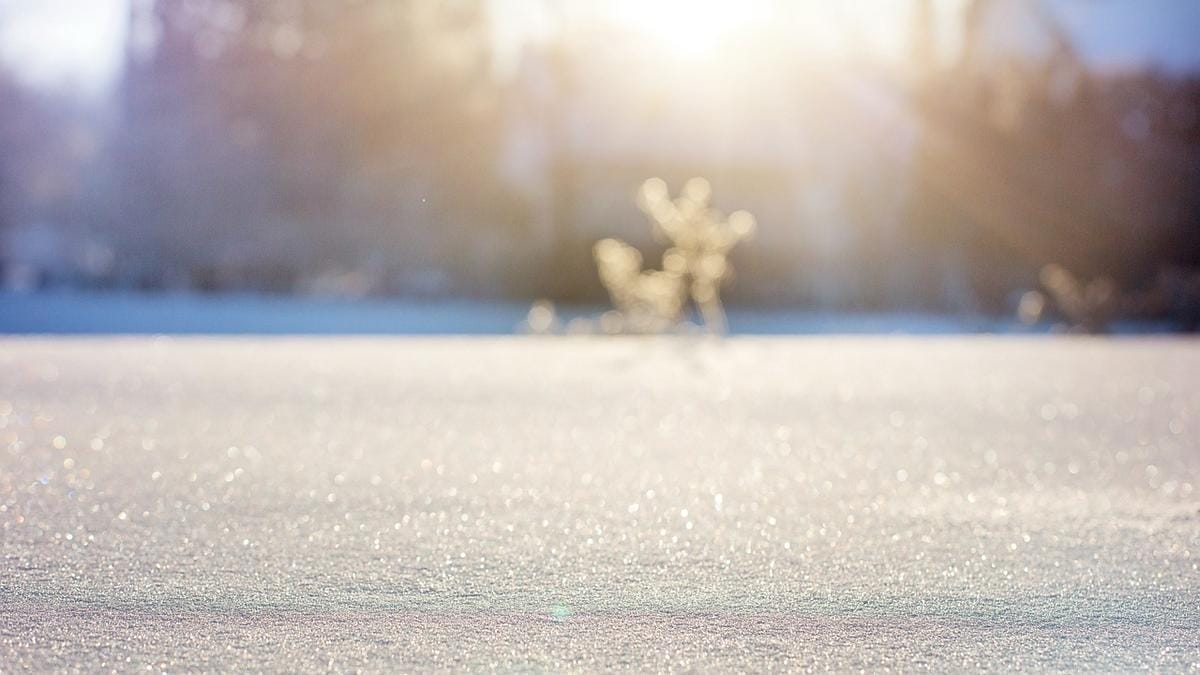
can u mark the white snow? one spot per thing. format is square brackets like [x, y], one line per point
[587, 504]
[188, 314]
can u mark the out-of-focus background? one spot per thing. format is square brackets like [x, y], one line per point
[933, 158]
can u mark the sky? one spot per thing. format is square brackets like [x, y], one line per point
[1121, 34]
[63, 42]
[79, 42]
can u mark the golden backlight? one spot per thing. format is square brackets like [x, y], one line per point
[690, 29]
[701, 30]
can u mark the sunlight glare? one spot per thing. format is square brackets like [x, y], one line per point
[56, 42]
[690, 29]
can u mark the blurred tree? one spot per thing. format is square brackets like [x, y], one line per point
[49, 140]
[11, 104]
[286, 138]
[1028, 157]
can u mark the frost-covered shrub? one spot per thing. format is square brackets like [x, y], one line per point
[694, 267]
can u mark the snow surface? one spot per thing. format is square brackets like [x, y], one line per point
[189, 314]
[114, 313]
[582, 504]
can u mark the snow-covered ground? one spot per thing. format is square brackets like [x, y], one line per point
[70, 313]
[80, 313]
[955, 503]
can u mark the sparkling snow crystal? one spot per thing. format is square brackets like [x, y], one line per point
[583, 504]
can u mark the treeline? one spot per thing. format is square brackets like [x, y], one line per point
[360, 147]
[1026, 163]
[284, 144]
[292, 145]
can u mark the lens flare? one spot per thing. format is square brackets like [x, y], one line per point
[690, 29]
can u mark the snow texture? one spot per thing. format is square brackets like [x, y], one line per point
[582, 504]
